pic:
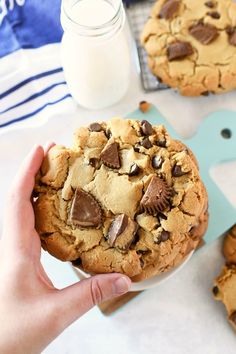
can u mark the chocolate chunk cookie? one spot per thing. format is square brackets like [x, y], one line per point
[225, 291]
[225, 285]
[191, 45]
[229, 248]
[125, 198]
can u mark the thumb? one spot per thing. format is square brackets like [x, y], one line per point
[79, 298]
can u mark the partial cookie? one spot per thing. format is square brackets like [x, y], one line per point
[229, 248]
[191, 45]
[225, 291]
[125, 198]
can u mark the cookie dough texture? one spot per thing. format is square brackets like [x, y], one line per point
[191, 45]
[125, 198]
[229, 248]
[225, 291]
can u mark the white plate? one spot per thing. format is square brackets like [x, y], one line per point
[149, 283]
[158, 279]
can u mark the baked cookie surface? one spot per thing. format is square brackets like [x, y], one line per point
[125, 198]
[225, 291]
[229, 248]
[191, 45]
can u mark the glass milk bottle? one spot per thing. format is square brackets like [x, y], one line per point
[95, 51]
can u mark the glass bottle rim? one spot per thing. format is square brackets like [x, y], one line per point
[90, 30]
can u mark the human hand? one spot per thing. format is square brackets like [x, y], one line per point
[32, 311]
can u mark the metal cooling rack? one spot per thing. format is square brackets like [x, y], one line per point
[138, 13]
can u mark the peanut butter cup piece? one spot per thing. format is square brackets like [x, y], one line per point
[85, 210]
[122, 232]
[169, 9]
[110, 155]
[156, 197]
[204, 33]
[95, 127]
[179, 50]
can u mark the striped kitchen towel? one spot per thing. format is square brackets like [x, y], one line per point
[32, 84]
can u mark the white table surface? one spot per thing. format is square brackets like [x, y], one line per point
[180, 315]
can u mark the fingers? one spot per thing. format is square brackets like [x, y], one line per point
[19, 219]
[19, 216]
[24, 181]
[79, 298]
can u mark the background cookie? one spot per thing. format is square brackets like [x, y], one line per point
[229, 248]
[225, 291]
[125, 198]
[225, 285]
[192, 45]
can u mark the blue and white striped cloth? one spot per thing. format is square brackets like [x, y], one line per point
[32, 83]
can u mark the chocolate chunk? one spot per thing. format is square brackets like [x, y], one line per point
[164, 236]
[210, 4]
[108, 134]
[110, 155]
[77, 262]
[136, 149]
[156, 197]
[232, 35]
[142, 263]
[157, 161]
[161, 142]
[95, 127]
[215, 290]
[214, 14]
[177, 171]
[233, 317]
[146, 143]
[143, 252]
[205, 93]
[204, 33]
[144, 106]
[117, 227]
[179, 50]
[169, 9]
[146, 127]
[85, 210]
[162, 216]
[134, 170]
[94, 162]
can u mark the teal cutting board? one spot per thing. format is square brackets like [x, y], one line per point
[211, 148]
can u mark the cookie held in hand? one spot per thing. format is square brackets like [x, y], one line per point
[125, 198]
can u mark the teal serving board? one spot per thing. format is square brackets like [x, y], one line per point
[210, 148]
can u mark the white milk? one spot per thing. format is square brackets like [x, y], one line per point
[95, 52]
[92, 12]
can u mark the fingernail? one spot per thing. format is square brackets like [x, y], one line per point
[121, 285]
